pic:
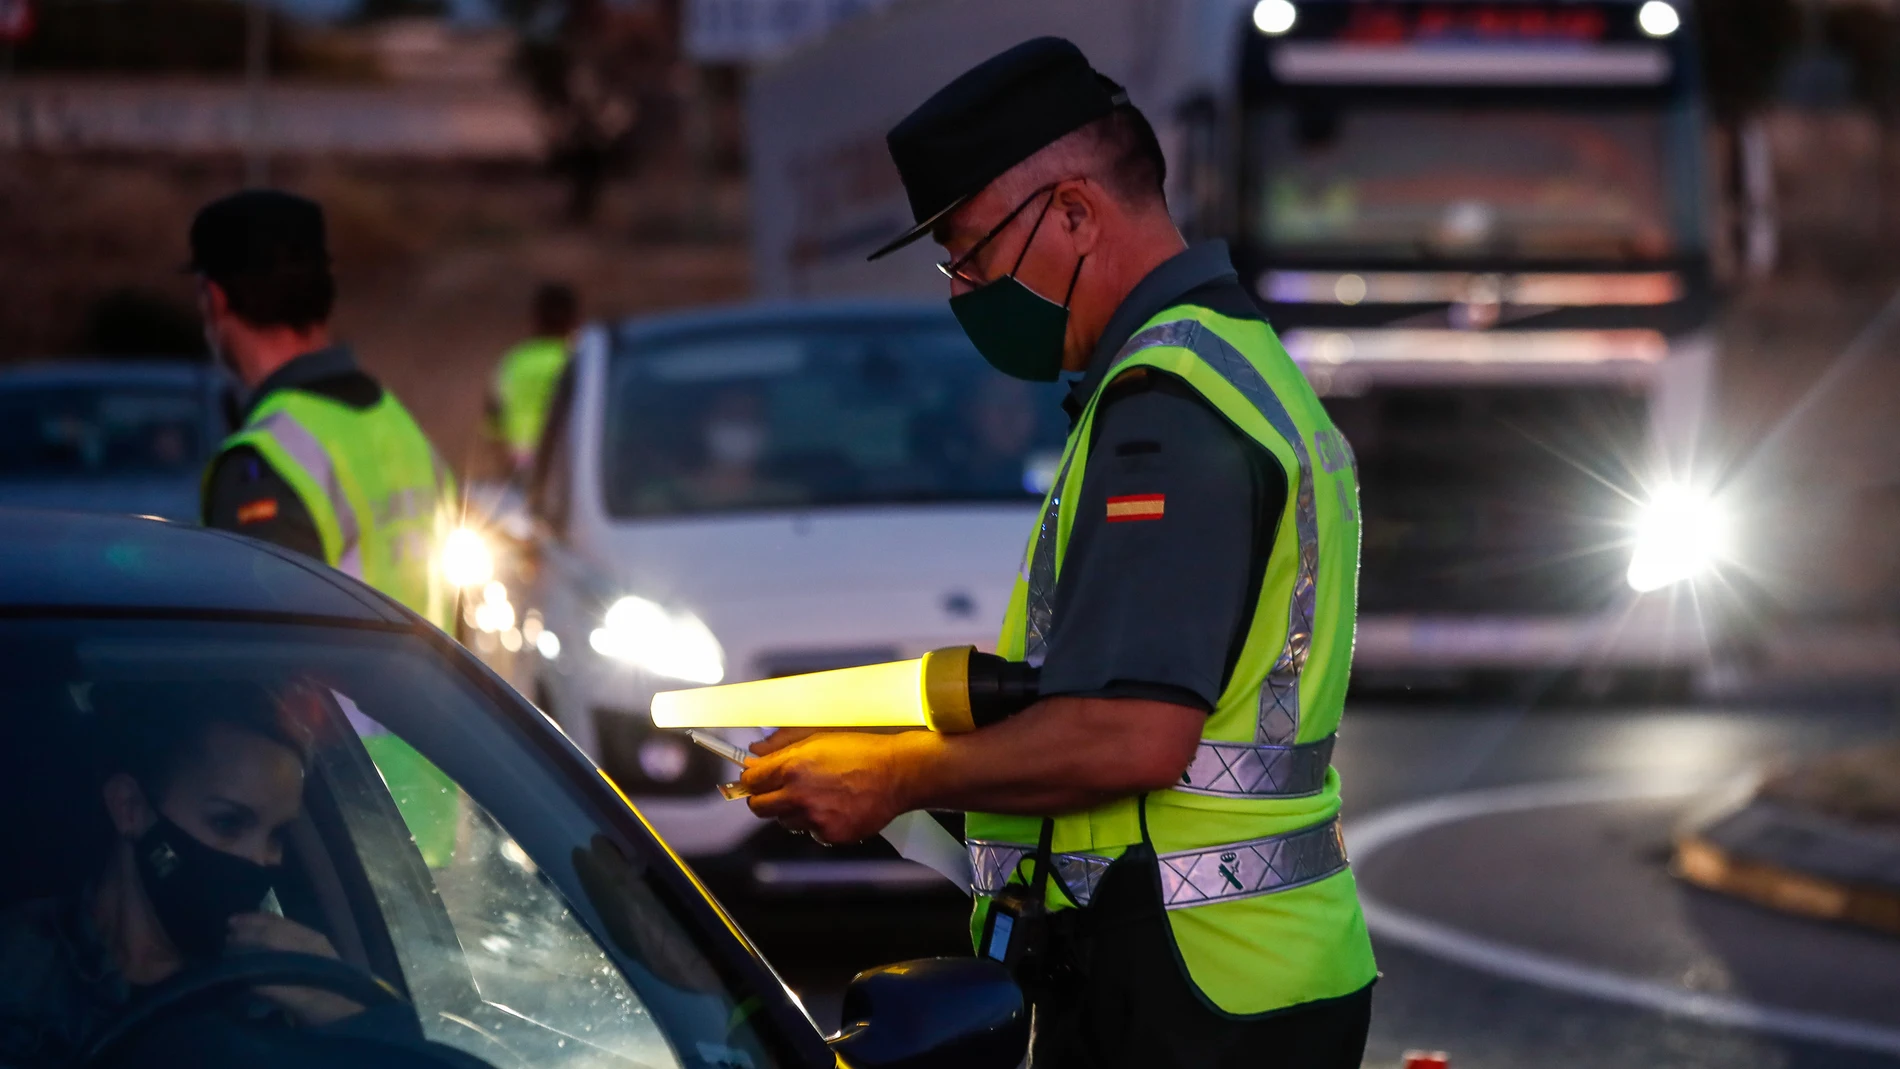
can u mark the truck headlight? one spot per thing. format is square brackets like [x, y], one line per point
[466, 559]
[1680, 534]
[677, 645]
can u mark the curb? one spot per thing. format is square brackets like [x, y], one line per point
[1798, 863]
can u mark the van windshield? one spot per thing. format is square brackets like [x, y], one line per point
[806, 415]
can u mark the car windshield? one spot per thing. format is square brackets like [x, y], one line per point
[471, 880]
[835, 413]
[93, 431]
[1473, 183]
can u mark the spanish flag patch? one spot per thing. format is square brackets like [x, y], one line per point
[264, 508]
[1136, 507]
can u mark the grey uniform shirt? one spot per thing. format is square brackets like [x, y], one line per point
[245, 494]
[1151, 606]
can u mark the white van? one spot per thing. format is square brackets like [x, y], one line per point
[748, 492]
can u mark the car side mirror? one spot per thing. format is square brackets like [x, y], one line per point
[934, 1013]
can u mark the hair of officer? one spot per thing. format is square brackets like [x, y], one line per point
[1118, 150]
[298, 295]
[156, 733]
[557, 309]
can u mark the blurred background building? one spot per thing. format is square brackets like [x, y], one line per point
[468, 148]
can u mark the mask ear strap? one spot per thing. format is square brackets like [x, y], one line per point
[1067, 297]
[1040, 216]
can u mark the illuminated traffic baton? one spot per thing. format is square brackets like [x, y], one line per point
[951, 690]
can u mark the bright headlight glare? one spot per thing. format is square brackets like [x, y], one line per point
[677, 645]
[1658, 19]
[1680, 534]
[1274, 17]
[466, 559]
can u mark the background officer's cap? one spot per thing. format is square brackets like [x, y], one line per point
[256, 232]
[991, 118]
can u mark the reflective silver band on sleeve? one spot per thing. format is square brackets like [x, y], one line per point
[1189, 877]
[1255, 770]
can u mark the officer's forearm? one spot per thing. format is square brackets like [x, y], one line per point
[1060, 755]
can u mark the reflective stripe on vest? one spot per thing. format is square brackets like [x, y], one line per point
[308, 451]
[1189, 878]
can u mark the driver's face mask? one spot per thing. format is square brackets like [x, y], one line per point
[196, 889]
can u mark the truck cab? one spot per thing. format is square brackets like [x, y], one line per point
[1483, 232]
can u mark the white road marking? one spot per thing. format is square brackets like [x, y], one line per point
[1366, 836]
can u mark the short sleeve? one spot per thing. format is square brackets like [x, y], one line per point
[246, 495]
[1172, 528]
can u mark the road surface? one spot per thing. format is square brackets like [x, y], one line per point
[1514, 865]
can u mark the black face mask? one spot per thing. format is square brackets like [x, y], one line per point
[196, 889]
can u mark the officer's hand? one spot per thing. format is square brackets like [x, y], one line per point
[841, 786]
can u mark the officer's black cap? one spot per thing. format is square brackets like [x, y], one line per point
[255, 232]
[991, 118]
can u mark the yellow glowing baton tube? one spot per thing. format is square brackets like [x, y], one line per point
[950, 690]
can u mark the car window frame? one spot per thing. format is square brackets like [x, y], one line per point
[617, 824]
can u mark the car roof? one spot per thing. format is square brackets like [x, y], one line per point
[75, 561]
[752, 314]
[109, 371]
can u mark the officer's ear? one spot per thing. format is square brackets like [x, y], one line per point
[213, 302]
[1079, 205]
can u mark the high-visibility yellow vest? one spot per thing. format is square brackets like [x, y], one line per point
[381, 500]
[524, 388]
[1260, 901]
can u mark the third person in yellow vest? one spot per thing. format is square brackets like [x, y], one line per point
[524, 383]
[1156, 841]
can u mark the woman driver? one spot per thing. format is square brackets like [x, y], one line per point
[199, 795]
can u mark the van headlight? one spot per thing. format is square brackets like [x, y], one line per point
[1681, 533]
[677, 645]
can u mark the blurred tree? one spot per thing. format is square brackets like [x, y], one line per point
[605, 77]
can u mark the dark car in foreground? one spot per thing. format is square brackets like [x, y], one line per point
[558, 930]
[117, 435]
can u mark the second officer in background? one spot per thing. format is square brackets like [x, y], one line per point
[326, 461]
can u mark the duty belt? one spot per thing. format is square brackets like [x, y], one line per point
[1188, 877]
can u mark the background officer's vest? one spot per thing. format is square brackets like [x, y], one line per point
[1260, 902]
[524, 387]
[381, 500]
[373, 485]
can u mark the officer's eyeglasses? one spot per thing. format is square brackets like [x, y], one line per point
[954, 270]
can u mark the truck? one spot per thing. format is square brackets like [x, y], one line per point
[1492, 234]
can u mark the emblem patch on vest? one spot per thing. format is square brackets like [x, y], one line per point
[1136, 507]
[264, 508]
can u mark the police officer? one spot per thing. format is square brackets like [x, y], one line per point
[326, 461]
[525, 380]
[1188, 593]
